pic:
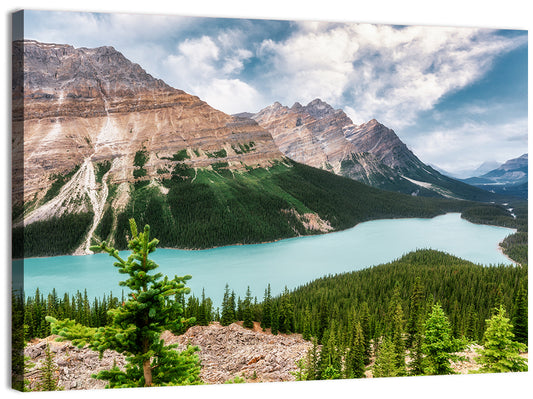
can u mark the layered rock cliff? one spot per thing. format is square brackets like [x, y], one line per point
[83, 106]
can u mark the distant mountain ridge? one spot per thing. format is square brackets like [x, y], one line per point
[320, 136]
[510, 178]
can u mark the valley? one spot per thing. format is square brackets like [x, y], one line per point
[104, 141]
[161, 236]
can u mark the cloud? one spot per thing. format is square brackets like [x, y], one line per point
[467, 146]
[208, 67]
[379, 71]
[92, 30]
[236, 95]
[392, 73]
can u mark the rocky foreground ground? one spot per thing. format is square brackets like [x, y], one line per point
[225, 353]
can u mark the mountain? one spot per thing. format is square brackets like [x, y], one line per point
[83, 106]
[466, 173]
[511, 178]
[485, 167]
[320, 136]
[97, 140]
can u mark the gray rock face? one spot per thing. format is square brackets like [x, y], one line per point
[382, 142]
[320, 136]
[311, 134]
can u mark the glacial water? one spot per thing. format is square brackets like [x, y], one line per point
[291, 262]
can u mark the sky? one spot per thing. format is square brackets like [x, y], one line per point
[456, 96]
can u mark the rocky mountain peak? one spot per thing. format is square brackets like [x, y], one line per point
[319, 109]
[297, 107]
[516, 163]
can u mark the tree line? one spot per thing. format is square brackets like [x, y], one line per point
[466, 292]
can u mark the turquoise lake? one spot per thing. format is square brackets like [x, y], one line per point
[291, 262]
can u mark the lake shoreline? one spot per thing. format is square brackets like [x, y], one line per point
[289, 262]
[265, 242]
[500, 249]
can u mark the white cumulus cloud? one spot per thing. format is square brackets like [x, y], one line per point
[386, 72]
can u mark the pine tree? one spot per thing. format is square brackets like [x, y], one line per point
[228, 309]
[18, 327]
[416, 312]
[233, 306]
[416, 366]
[322, 319]
[355, 358]
[520, 315]
[266, 319]
[137, 325]
[439, 344]
[385, 365]
[415, 328]
[397, 339]
[274, 326]
[306, 333]
[471, 317]
[364, 317]
[49, 378]
[238, 313]
[329, 363]
[286, 313]
[203, 313]
[247, 313]
[500, 353]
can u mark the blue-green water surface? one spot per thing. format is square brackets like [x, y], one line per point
[289, 262]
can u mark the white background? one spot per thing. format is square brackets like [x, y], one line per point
[512, 14]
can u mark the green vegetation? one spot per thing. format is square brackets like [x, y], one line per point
[101, 169]
[59, 181]
[140, 159]
[400, 305]
[56, 236]
[103, 230]
[179, 156]
[243, 148]
[217, 154]
[75, 307]
[136, 326]
[500, 353]
[439, 344]
[515, 247]
[465, 291]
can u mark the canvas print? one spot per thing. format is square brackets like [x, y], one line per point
[221, 200]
